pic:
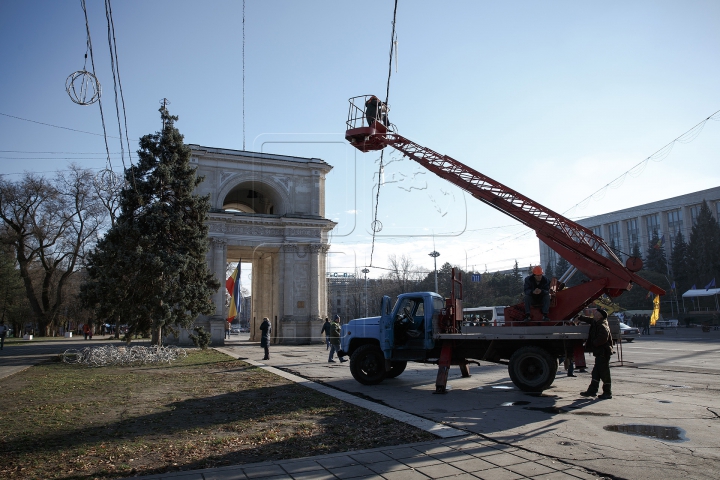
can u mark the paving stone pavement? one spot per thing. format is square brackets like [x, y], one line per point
[467, 457]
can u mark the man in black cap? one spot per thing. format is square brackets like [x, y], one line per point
[600, 343]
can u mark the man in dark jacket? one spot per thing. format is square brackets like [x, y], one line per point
[326, 330]
[537, 292]
[600, 343]
[265, 328]
[335, 340]
[375, 109]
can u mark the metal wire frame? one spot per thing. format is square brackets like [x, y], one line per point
[109, 355]
[356, 113]
[88, 84]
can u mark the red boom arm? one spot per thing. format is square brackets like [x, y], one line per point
[578, 245]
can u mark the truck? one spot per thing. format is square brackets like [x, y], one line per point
[425, 327]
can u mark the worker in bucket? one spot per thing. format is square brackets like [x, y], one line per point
[375, 109]
[600, 343]
[537, 292]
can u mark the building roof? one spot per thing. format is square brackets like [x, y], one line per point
[262, 155]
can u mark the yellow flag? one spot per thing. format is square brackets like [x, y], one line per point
[656, 311]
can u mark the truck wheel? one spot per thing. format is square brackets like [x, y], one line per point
[367, 365]
[532, 369]
[396, 368]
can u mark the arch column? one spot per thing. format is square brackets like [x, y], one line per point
[288, 296]
[219, 257]
[315, 311]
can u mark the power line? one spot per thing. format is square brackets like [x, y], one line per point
[58, 153]
[117, 84]
[47, 171]
[243, 74]
[658, 156]
[382, 152]
[54, 126]
[52, 158]
[92, 62]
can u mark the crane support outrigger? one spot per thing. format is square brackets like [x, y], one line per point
[369, 130]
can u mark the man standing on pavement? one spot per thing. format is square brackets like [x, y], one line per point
[600, 343]
[335, 340]
[227, 329]
[326, 330]
[537, 292]
[265, 328]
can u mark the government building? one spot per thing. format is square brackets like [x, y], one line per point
[637, 225]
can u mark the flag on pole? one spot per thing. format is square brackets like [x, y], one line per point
[656, 311]
[693, 287]
[710, 285]
[660, 243]
[233, 287]
[672, 287]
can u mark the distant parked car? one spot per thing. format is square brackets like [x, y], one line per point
[628, 333]
[234, 330]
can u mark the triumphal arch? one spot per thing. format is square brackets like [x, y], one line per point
[268, 210]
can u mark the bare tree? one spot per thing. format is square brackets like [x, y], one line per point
[50, 225]
[403, 276]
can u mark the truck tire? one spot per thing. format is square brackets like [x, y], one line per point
[367, 365]
[396, 368]
[532, 369]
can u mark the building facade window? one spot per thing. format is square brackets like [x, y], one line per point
[717, 208]
[675, 224]
[339, 302]
[653, 226]
[597, 230]
[633, 233]
[614, 236]
[694, 212]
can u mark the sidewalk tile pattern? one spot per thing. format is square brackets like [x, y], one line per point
[471, 457]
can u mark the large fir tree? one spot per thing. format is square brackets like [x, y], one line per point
[636, 251]
[704, 248]
[150, 268]
[679, 262]
[656, 259]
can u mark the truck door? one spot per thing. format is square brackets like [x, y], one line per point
[387, 334]
[434, 305]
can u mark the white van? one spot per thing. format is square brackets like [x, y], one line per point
[484, 316]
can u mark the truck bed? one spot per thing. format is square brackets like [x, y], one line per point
[573, 332]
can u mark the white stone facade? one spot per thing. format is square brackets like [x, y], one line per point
[269, 210]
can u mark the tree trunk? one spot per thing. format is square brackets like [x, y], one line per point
[157, 336]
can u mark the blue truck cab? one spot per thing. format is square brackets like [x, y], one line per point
[380, 347]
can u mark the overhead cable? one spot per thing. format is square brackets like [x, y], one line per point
[382, 152]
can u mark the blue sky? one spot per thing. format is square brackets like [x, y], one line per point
[554, 99]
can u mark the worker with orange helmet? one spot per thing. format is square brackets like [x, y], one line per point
[537, 292]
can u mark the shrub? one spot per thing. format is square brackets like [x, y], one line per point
[202, 339]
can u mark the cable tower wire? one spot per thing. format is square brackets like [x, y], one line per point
[243, 75]
[92, 63]
[382, 152]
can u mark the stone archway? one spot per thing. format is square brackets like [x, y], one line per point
[268, 210]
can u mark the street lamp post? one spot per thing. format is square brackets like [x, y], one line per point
[365, 271]
[435, 254]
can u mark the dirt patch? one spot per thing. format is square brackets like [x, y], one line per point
[73, 422]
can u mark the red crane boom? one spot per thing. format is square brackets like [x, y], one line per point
[578, 245]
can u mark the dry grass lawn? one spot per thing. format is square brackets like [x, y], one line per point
[74, 422]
